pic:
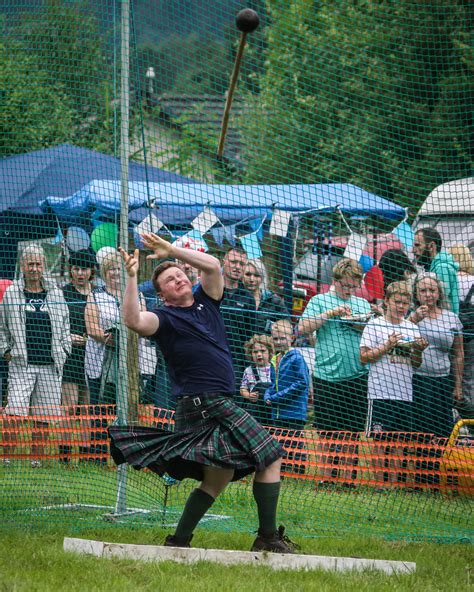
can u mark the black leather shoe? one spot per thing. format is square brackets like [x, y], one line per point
[276, 542]
[174, 541]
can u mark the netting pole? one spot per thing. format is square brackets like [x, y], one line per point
[286, 249]
[122, 394]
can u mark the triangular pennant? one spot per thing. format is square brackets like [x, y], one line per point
[230, 234]
[218, 235]
[192, 240]
[280, 222]
[251, 245]
[405, 234]
[256, 224]
[205, 220]
[149, 224]
[355, 246]
[59, 236]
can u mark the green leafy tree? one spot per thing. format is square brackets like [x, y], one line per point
[34, 112]
[67, 42]
[197, 64]
[374, 93]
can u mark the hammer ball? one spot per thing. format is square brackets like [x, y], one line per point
[247, 20]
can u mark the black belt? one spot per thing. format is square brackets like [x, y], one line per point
[196, 396]
[196, 400]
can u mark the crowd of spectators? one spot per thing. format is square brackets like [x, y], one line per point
[400, 363]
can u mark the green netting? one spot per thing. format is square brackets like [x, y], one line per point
[350, 328]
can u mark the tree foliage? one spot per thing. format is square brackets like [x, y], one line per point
[66, 40]
[374, 93]
[186, 65]
[200, 62]
[191, 154]
[58, 82]
[34, 111]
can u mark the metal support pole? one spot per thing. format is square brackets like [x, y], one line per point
[122, 394]
[286, 259]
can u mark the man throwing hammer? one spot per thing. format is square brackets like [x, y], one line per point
[215, 441]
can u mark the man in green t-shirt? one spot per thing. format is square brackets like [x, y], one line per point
[429, 256]
[340, 380]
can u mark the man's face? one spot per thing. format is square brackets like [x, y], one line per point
[174, 285]
[421, 250]
[33, 267]
[234, 263]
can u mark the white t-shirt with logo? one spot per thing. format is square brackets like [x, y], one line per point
[390, 377]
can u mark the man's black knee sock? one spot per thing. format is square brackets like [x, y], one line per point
[266, 496]
[197, 504]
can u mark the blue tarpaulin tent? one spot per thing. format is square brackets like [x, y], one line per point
[27, 179]
[79, 186]
[177, 204]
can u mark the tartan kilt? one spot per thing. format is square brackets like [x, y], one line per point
[215, 432]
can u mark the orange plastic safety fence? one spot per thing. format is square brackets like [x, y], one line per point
[403, 460]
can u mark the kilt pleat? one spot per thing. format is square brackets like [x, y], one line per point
[214, 433]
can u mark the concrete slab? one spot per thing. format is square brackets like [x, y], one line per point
[225, 557]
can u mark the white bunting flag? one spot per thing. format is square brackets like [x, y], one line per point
[355, 246]
[280, 222]
[205, 220]
[149, 224]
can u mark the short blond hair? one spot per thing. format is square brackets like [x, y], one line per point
[462, 255]
[110, 260]
[347, 268]
[283, 325]
[398, 289]
[264, 340]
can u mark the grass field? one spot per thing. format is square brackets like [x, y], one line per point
[38, 507]
[84, 497]
[34, 561]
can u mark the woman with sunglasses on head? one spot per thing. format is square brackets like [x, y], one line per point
[74, 389]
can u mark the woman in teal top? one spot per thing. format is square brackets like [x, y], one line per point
[340, 380]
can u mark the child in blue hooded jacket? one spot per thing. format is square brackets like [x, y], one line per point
[289, 392]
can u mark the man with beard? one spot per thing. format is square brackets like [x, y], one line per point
[429, 256]
[237, 308]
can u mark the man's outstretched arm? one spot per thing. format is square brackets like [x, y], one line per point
[142, 322]
[211, 278]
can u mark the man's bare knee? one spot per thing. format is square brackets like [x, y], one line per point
[215, 480]
[270, 474]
